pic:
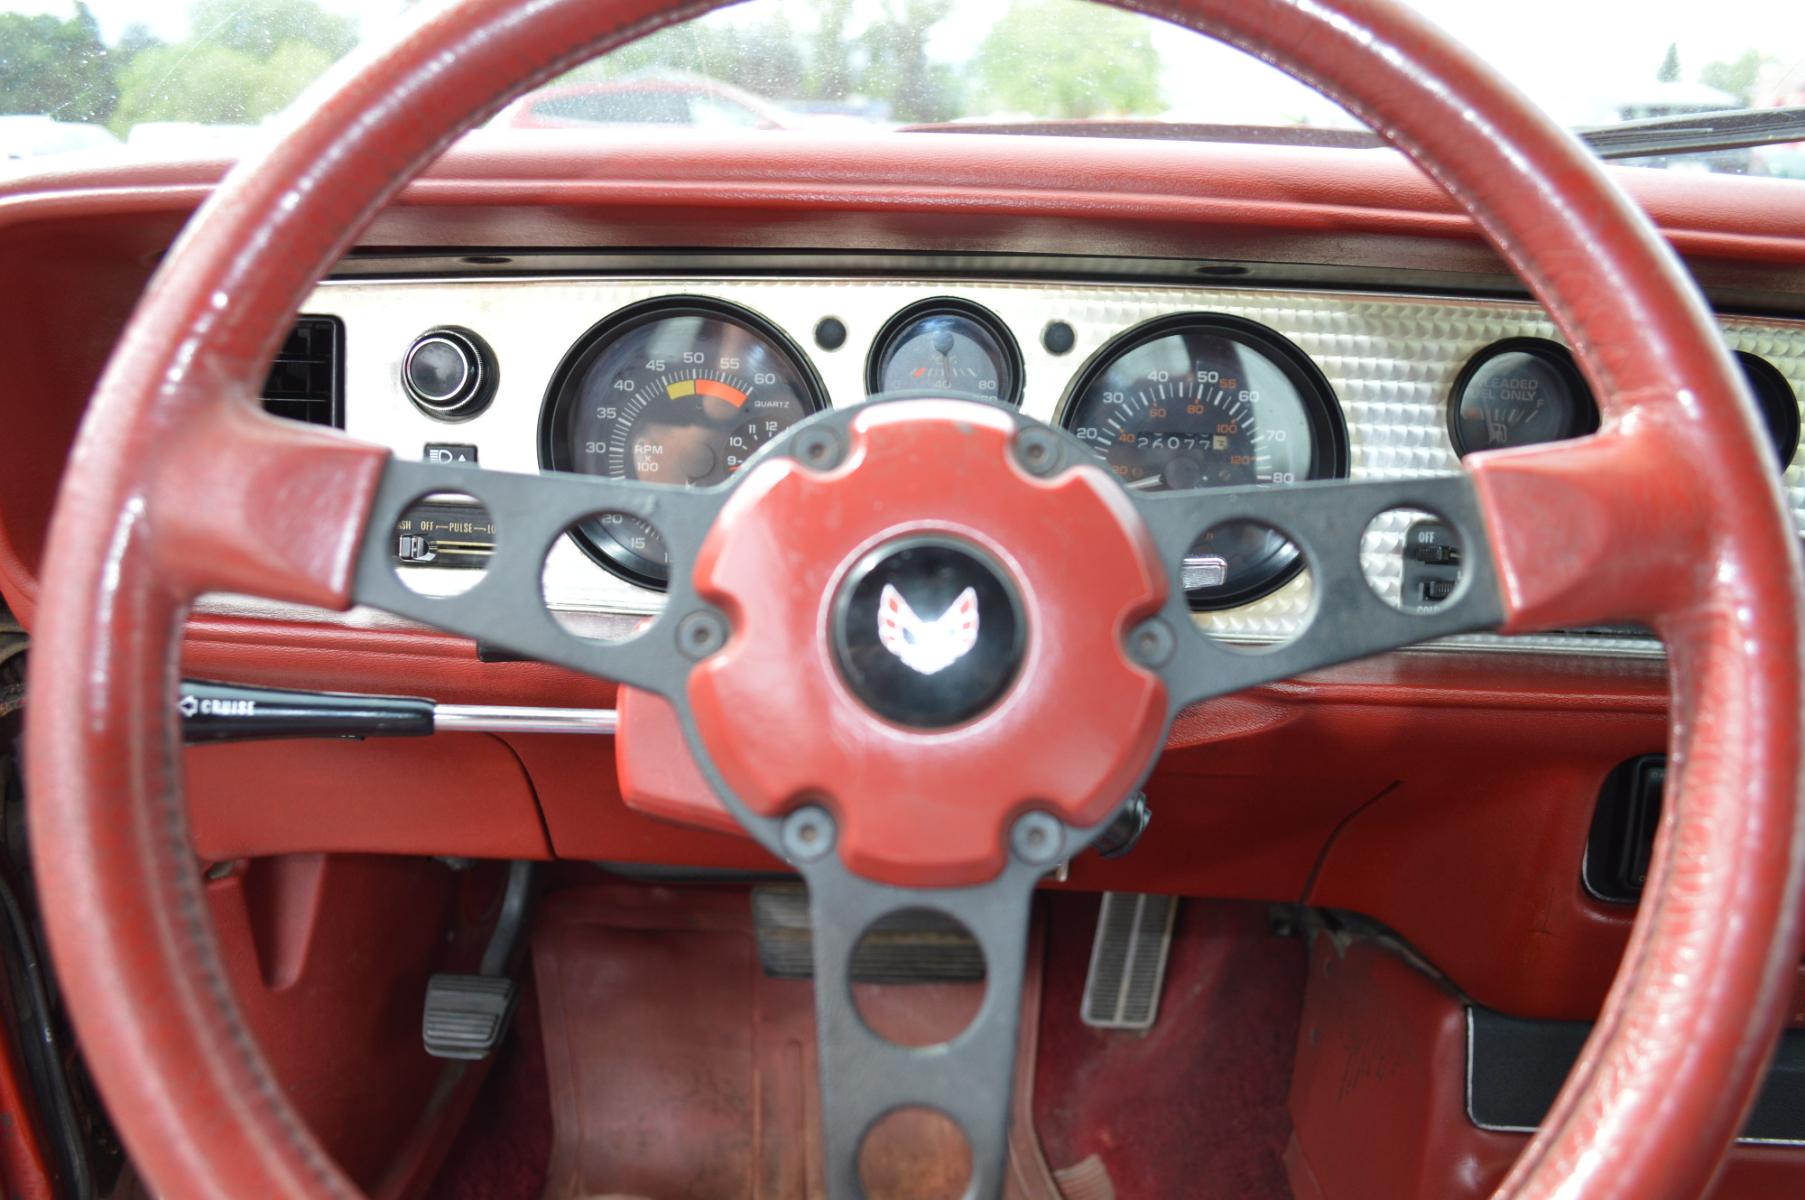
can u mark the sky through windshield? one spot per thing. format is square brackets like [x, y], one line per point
[173, 65]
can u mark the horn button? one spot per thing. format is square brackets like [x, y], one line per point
[927, 639]
[928, 632]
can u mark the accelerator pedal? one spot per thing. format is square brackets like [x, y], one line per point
[1128, 961]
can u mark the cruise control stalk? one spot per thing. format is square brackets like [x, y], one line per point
[230, 712]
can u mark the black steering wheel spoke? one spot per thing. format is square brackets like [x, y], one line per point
[1348, 618]
[865, 1077]
[504, 605]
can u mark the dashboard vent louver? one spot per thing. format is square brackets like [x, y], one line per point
[306, 382]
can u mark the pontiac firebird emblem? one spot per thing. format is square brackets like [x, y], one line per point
[927, 646]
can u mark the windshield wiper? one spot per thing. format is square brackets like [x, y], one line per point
[1167, 131]
[1694, 133]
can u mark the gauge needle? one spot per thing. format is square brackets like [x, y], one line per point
[943, 346]
[1146, 483]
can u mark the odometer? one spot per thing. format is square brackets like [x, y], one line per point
[1212, 401]
[680, 392]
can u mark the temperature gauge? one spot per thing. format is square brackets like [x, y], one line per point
[948, 346]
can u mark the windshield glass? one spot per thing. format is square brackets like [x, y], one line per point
[126, 77]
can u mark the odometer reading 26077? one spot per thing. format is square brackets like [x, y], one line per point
[680, 392]
[1212, 401]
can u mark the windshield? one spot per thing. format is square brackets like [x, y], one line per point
[127, 77]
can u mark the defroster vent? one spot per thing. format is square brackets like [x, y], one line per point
[307, 381]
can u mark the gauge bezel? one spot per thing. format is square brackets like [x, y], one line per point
[554, 452]
[1776, 401]
[1322, 409]
[953, 306]
[1585, 410]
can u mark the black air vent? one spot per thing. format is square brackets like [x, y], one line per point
[305, 382]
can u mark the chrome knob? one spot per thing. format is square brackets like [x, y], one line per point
[449, 374]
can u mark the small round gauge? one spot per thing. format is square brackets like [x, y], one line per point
[1778, 405]
[1212, 401]
[677, 391]
[1519, 392]
[949, 346]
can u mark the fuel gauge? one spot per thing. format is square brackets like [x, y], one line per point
[1519, 392]
[949, 346]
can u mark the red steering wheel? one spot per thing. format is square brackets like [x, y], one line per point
[956, 787]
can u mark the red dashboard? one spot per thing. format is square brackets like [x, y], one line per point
[1447, 794]
[1417, 802]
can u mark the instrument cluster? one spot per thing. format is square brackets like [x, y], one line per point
[682, 382]
[680, 393]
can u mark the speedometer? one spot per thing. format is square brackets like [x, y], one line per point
[1201, 401]
[680, 392]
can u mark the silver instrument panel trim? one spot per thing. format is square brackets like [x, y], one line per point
[1391, 361]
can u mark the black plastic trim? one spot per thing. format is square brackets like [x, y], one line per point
[230, 712]
[1515, 1069]
[1619, 845]
[317, 402]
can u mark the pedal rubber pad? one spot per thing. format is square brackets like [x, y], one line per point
[466, 1015]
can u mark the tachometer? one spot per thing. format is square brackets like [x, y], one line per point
[675, 391]
[1212, 401]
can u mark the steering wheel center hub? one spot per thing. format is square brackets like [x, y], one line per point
[919, 627]
[928, 631]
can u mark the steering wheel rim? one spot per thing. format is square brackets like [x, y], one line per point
[1676, 1057]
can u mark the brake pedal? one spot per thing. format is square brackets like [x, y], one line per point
[1128, 961]
[466, 1015]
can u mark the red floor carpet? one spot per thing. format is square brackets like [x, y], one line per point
[1196, 1107]
[657, 1008]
